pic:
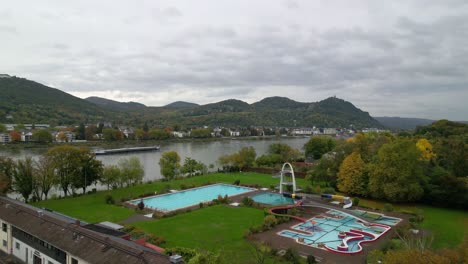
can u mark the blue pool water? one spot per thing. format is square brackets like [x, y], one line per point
[272, 198]
[178, 200]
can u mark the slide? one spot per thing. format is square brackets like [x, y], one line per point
[299, 203]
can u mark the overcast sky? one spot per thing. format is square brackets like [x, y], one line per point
[393, 58]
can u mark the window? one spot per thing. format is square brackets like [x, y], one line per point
[4, 243]
[4, 227]
[17, 245]
[74, 261]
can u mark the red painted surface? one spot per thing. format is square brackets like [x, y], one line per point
[286, 208]
[142, 242]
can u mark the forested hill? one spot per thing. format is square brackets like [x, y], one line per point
[279, 111]
[404, 123]
[114, 105]
[31, 102]
[25, 101]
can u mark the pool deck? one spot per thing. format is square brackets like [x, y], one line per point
[234, 198]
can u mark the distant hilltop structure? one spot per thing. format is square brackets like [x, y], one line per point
[3, 75]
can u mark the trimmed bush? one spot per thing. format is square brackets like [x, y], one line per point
[237, 182]
[269, 222]
[292, 256]
[141, 205]
[356, 201]
[109, 199]
[311, 259]
[247, 201]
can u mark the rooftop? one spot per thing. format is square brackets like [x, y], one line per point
[69, 235]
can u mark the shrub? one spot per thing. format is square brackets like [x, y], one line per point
[155, 240]
[292, 256]
[141, 205]
[255, 229]
[356, 201]
[237, 182]
[128, 228]
[294, 211]
[269, 222]
[308, 189]
[388, 207]
[183, 186]
[272, 187]
[311, 259]
[247, 201]
[329, 190]
[109, 199]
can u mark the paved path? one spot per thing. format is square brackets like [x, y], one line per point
[135, 218]
[310, 203]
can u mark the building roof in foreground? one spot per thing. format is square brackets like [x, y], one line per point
[67, 235]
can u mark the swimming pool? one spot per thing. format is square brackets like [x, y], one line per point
[272, 198]
[383, 219]
[173, 201]
[335, 231]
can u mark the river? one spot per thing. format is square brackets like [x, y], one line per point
[207, 152]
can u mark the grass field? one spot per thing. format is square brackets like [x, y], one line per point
[209, 226]
[216, 228]
[448, 226]
[92, 207]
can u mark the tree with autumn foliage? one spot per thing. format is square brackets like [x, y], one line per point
[352, 176]
[15, 136]
[426, 149]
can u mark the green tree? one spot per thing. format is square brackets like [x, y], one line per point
[44, 177]
[317, 146]
[66, 162]
[42, 136]
[7, 166]
[23, 181]
[201, 133]
[285, 151]
[246, 157]
[81, 132]
[3, 128]
[170, 164]
[89, 170]
[190, 166]
[351, 177]
[111, 134]
[131, 170]
[396, 174]
[111, 177]
[158, 134]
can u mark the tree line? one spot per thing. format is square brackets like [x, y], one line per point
[65, 168]
[429, 166]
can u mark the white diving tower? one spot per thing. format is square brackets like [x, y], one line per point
[287, 177]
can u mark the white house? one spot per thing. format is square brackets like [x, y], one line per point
[5, 138]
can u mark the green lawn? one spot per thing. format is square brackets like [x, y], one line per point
[216, 228]
[448, 226]
[92, 207]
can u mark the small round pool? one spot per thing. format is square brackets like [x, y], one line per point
[272, 198]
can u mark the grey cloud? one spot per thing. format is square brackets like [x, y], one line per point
[409, 61]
